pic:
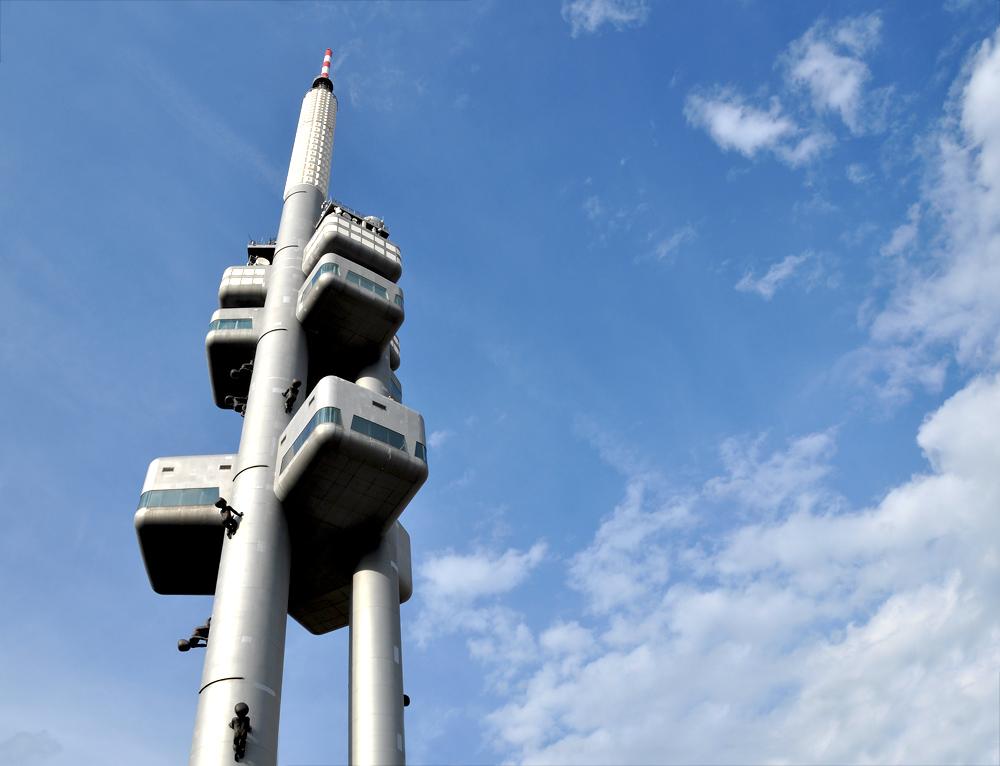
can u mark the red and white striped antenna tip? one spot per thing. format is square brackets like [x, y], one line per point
[326, 64]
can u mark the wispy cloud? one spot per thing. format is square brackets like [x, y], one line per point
[593, 208]
[767, 285]
[858, 173]
[737, 125]
[454, 580]
[199, 119]
[769, 482]
[591, 15]
[462, 481]
[827, 61]
[944, 306]
[458, 594]
[734, 124]
[905, 235]
[437, 438]
[775, 639]
[667, 247]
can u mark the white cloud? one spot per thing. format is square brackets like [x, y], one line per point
[759, 618]
[767, 285]
[858, 173]
[859, 35]
[591, 15]
[462, 481]
[826, 62]
[905, 234]
[451, 584]
[806, 150]
[767, 484]
[437, 438]
[458, 594]
[945, 301]
[835, 81]
[824, 636]
[592, 207]
[461, 579]
[679, 237]
[604, 571]
[733, 124]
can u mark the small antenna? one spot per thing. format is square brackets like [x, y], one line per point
[324, 81]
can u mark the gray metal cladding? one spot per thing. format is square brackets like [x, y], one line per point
[338, 305]
[178, 526]
[244, 286]
[340, 474]
[230, 343]
[339, 234]
[323, 565]
[325, 467]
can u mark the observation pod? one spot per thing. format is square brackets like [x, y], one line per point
[341, 233]
[349, 309]
[323, 567]
[178, 525]
[230, 344]
[350, 458]
[244, 286]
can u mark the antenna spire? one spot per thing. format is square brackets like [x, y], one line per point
[324, 81]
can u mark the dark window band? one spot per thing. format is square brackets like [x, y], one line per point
[324, 415]
[156, 498]
[381, 433]
[231, 324]
[324, 269]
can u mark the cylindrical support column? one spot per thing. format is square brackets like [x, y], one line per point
[375, 377]
[376, 736]
[246, 646]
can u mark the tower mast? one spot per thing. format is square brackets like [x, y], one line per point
[303, 519]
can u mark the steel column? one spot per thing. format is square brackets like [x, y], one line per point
[376, 736]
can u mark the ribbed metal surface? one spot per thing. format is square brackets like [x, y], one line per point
[313, 147]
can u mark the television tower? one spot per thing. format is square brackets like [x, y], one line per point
[302, 519]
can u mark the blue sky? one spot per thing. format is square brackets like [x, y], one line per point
[702, 318]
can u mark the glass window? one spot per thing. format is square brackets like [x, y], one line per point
[399, 299]
[381, 433]
[367, 284]
[397, 393]
[323, 415]
[157, 498]
[324, 269]
[421, 452]
[231, 324]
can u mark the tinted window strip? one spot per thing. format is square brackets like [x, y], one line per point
[381, 433]
[231, 324]
[325, 268]
[159, 498]
[367, 284]
[324, 415]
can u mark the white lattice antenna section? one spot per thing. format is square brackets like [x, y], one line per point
[313, 147]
